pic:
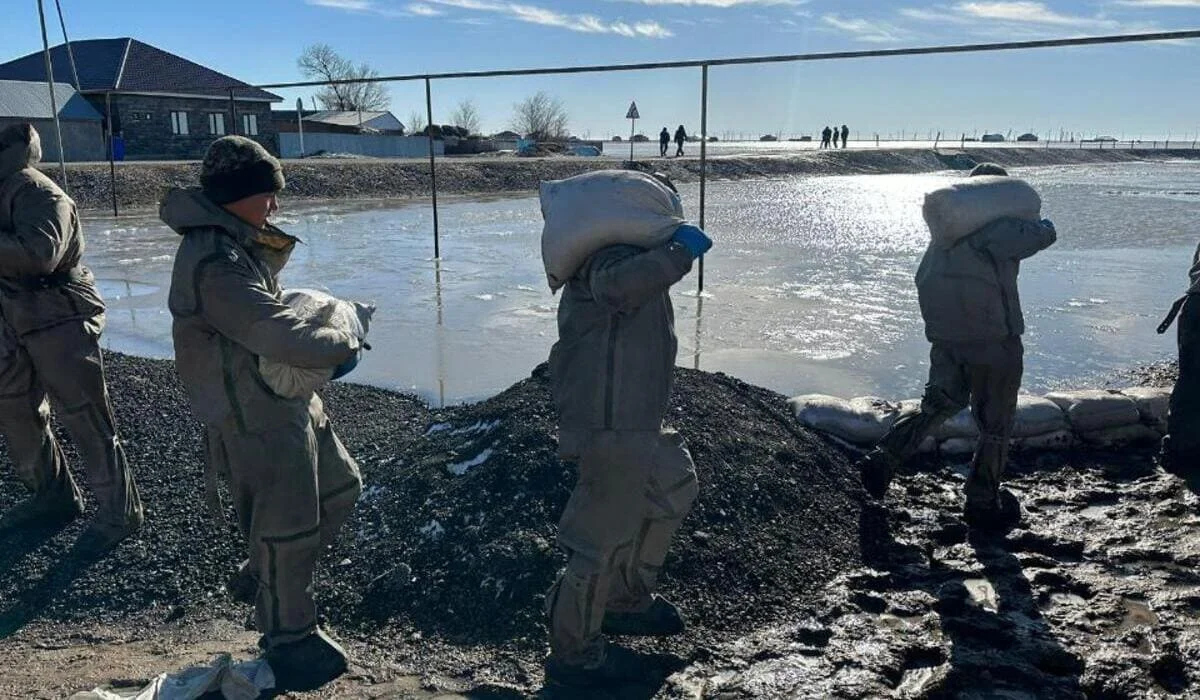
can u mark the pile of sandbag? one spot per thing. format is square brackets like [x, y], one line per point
[1060, 420]
[588, 212]
[320, 309]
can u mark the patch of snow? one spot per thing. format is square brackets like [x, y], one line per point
[433, 529]
[461, 468]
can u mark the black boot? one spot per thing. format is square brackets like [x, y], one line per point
[50, 509]
[999, 515]
[619, 667]
[876, 470]
[661, 619]
[307, 664]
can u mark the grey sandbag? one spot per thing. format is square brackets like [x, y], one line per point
[1092, 410]
[588, 212]
[962, 208]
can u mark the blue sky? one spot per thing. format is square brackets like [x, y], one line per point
[1144, 90]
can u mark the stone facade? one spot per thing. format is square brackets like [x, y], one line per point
[145, 122]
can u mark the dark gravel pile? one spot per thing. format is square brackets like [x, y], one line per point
[464, 557]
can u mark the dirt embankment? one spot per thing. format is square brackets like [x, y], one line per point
[143, 184]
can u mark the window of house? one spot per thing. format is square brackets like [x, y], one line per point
[216, 124]
[250, 124]
[179, 123]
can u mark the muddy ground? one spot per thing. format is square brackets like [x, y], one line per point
[795, 585]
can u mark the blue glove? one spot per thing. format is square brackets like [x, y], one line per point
[348, 366]
[691, 237]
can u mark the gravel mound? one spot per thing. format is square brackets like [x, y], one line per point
[454, 535]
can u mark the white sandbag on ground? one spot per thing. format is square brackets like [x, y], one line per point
[962, 425]
[321, 309]
[966, 206]
[1056, 440]
[588, 212]
[1093, 410]
[862, 421]
[1037, 416]
[1121, 436]
[1153, 403]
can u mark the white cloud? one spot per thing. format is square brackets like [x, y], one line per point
[1159, 3]
[866, 30]
[719, 3]
[421, 10]
[546, 17]
[354, 5]
[1022, 11]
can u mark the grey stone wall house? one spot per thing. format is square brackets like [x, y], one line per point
[162, 106]
[82, 126]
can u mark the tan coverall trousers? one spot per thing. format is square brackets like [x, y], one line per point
[293, 487]
[63, 364]
[987, 376]
[633, 492]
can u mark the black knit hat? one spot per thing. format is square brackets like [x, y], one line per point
[236, 167]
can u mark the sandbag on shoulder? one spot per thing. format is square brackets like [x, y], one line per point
[321, 309]
[861, 421]
[1153, 403]
[962, 208]
[588, 212]
[1092, 410]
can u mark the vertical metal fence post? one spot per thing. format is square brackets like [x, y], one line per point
[437, 248]
[62, 149]
[112, 165]
[703, 157]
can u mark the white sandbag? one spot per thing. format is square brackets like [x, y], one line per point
[957, 446]
[860, 421]
[1056, 440]
[966, 206]
[588, 212]
[1121, 436]
[962, 425]
[321, 309]
[1153, 403]
[1091, 410]
[1037, 416]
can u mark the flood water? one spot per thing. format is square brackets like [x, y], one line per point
[808, 289]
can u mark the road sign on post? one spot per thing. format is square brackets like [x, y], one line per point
[300, 122]
[632, 115]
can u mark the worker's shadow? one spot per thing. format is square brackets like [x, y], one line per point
[37, 594]
[998, 640]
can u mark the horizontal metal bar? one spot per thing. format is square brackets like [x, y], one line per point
[752, 60]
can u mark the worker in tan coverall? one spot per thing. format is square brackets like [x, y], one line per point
[52, 317]
[612, 372]
[293, 483]
[971, 305]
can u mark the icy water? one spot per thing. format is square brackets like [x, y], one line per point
[809, 287]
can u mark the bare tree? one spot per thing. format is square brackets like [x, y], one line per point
[540, 117]
[321, 62]
[467, 116]
[416, 122]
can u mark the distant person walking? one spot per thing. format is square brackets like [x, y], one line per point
[680, 139]
[826, 134]
[836, 134]
[845, 135]
[664, 142]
